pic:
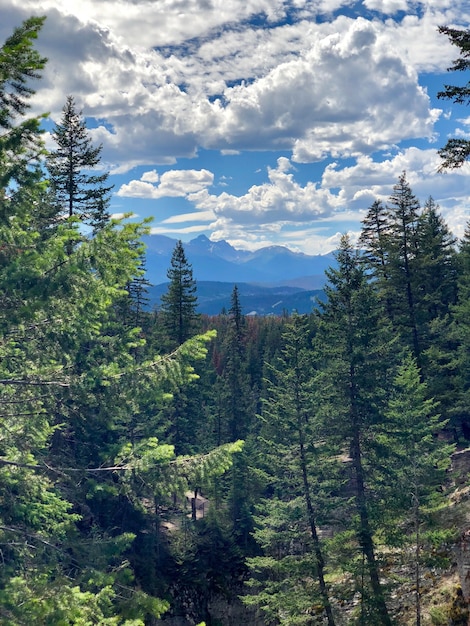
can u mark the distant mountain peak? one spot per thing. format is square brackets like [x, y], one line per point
[219, 261]
[221, 249]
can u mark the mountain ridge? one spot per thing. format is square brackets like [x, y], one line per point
[272, 265]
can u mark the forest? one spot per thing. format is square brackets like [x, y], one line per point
[159, 466]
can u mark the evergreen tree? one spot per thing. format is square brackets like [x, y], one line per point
[292, 458]
[21, 145]
[449, 354]
[77, 191]
[436, 291]
[456, 151]
[179, 303]
[416, 463]
[132, 308]
[403, 220]
[374, 243]
[354, 351]
[74, 392]
[235, 408]
[237, 397]
[437, 264]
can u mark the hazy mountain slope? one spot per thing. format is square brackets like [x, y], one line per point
[219, 261]
[213, 297]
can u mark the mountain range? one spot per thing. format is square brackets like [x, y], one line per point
[270, 280]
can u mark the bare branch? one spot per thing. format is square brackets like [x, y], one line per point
[34, 383]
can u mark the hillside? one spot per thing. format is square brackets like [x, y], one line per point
[214, 297]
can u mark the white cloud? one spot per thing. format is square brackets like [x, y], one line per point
[276, 210]
[150, 177]
[200, 216]
[163, 79]
[281, 199]
[368, 180]
[341, 87]
[177, 230]
[389, 7]
[173, 183]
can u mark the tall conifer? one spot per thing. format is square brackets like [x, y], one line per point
[292, 456]
[355, 356]
[76, 189]
[179, 303]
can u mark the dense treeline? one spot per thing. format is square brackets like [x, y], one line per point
[155, 460]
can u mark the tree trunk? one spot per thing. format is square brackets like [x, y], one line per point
[365, 534]
[313, 530]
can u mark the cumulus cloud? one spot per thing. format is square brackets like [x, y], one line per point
[336, 87]
[368, 180]
[282, 207]
[200, 216]
[281, 200]
[173, 183]
[161, 80]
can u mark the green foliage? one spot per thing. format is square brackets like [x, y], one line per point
[355, 353]
[106, 435]
[296, 475]
[20, 142]
[44, 600]
[81, 392]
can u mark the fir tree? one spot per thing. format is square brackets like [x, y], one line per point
[449, 354]
[437, 263]
[21, 145]
[374, 243]
[77, 191]
[293, 460]
[404, 212]
[179, 303]
[354, 352]
[416, 462]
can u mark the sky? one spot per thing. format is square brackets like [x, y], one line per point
[260, 122]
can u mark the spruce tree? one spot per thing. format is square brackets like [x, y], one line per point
[77, 191]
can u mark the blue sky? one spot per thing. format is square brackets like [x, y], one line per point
[259, 122]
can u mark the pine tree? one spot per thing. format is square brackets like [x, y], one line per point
[179, 303]
[77, 191]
